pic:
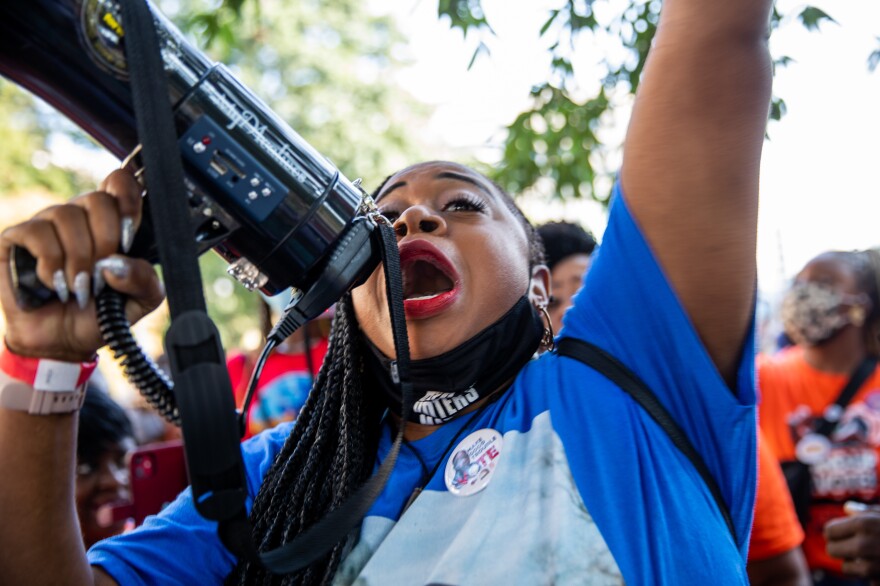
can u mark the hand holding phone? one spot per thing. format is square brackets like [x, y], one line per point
[158, 475]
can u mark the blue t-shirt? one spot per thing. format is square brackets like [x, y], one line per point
[582, 485]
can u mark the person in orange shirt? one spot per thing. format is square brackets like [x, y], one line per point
[775, 555]
[832, 313]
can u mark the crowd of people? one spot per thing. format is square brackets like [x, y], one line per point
[518, 462]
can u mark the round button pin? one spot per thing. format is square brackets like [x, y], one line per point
[812, 448]
[473, 462]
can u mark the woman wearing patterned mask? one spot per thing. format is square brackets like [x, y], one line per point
[815, 311]
[832, 313]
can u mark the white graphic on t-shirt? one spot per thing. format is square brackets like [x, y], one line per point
[848, 466]
[529, 526]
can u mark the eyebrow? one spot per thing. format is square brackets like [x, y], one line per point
[442, 175]
[461, 177]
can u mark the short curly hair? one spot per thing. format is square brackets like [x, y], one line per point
[102, 423]
[563, 239]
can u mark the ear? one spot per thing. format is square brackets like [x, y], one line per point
[859, 309]
[539, 286]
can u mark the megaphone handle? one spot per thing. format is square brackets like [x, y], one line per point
[30, 293]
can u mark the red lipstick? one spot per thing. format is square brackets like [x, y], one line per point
[420, 306]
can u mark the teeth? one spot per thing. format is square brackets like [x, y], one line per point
[420, 297]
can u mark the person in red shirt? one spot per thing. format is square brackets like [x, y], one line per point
[288, 374]
[832, 314]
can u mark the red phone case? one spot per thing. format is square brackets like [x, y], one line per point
[158, 474]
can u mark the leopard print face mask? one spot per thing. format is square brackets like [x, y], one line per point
[812, 313]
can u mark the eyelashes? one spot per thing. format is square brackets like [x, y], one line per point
[459, 203]
[465, 203]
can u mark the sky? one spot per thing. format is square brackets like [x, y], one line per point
[819, 181]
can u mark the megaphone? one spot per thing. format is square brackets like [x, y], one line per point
[259, 195]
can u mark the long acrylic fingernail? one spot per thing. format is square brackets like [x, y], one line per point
[854, 507]
[98, 281]
[127, 230]
[81, 289]
[118, 267]
[60, 285]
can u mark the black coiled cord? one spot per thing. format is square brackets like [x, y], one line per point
[140, 370]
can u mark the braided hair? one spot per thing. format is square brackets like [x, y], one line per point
[331, 450]
[867, 267]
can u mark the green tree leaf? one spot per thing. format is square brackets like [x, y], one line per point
[777, 108]
[464, 15]
[812, 17]
[482, 49]
[549, 23]
[783, 61]
[532, 153]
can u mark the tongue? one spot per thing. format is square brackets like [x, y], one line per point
[422, 280]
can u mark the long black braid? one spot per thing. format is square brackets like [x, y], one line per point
[332, 447]
[323, 461]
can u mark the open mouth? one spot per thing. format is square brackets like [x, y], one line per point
[430, 282]
[423, 280]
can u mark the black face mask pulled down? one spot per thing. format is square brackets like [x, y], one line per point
[445, 385]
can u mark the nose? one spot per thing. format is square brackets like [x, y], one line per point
[417, 219]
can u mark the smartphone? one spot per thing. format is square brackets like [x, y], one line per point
[158, 475]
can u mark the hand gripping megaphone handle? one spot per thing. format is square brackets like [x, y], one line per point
[30, 292]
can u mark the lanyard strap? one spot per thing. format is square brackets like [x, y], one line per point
[629, 382]
[856, 379]
[202, 386]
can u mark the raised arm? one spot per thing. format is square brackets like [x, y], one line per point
[691, 160]
[40, 536]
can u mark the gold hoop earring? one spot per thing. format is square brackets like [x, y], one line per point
[547, 340]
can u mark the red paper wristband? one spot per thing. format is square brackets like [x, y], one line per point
[42, 386]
